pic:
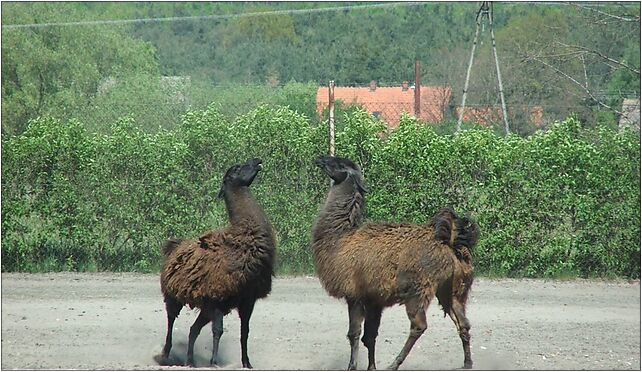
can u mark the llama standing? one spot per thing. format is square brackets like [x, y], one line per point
[224, 269]
[375, 266]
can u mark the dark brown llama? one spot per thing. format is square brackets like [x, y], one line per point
[222, 270]
[375, 266]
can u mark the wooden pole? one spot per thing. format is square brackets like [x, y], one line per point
[417, 89]
[331, 114]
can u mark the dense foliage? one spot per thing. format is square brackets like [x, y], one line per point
[561, 202]
[568, 58]
[57, 71]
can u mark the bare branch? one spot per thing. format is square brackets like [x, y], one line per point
[619, 63]
[568, 54]
[569, 77]
[625, 19]
[585, 74]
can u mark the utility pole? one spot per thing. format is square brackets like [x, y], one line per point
[470, 65]
[499, 75]
[331, 115]
[417, 89]
[486, 10]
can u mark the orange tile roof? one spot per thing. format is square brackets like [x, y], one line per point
[390, 102]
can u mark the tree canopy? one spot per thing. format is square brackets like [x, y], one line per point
[581, 58]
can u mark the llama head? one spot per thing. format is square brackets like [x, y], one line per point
[240, 175]
[341, 170]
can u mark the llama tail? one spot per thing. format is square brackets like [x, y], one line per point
[459, 233]
[169, 245]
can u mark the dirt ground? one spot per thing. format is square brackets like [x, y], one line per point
[117, 321]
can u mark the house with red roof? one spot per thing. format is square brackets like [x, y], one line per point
[388, 103]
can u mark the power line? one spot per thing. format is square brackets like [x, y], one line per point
[573, 3]
[222, 16]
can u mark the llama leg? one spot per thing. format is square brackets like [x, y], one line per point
[173, 308]
[458, 315]
[371, 330]
[356, 315]
[194, 331]
[217, 331]
[417, 314]
[245, 312]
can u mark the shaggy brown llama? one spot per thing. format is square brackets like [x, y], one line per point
[222, 270]
[375, 266]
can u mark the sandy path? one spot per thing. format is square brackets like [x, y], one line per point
[117, 321]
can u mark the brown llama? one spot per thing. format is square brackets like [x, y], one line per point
[224, 269]
[375, 266]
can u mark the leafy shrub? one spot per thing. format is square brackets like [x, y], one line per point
[561, 202]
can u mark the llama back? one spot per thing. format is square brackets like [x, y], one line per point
[251, 250]
[221, 264]
[373, 257]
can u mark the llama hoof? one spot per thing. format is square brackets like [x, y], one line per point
[352, 367]
[372, 368]
[393, 367]
[247, 365]
[468, 364]
[162, 360]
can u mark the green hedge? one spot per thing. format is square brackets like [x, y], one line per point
[565, 202]
[561, 202]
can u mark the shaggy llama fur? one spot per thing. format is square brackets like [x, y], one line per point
[222, 270]
[375, 266]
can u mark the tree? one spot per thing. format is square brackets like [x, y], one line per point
[578, 58]
[53, 70]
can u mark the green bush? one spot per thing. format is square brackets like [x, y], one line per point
[564, 202]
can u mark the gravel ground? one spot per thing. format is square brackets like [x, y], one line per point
[117, 321]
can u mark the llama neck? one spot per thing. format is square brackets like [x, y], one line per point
[342, 213]
[241, 206]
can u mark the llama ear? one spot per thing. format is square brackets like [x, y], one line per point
[221, 193]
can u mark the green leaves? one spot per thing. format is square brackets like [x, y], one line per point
[56, 71]
[561, 202]
[547, 205]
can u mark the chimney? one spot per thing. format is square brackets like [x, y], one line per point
[404, 86]
[373, 85]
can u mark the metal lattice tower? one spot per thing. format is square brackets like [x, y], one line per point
[486, 10]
